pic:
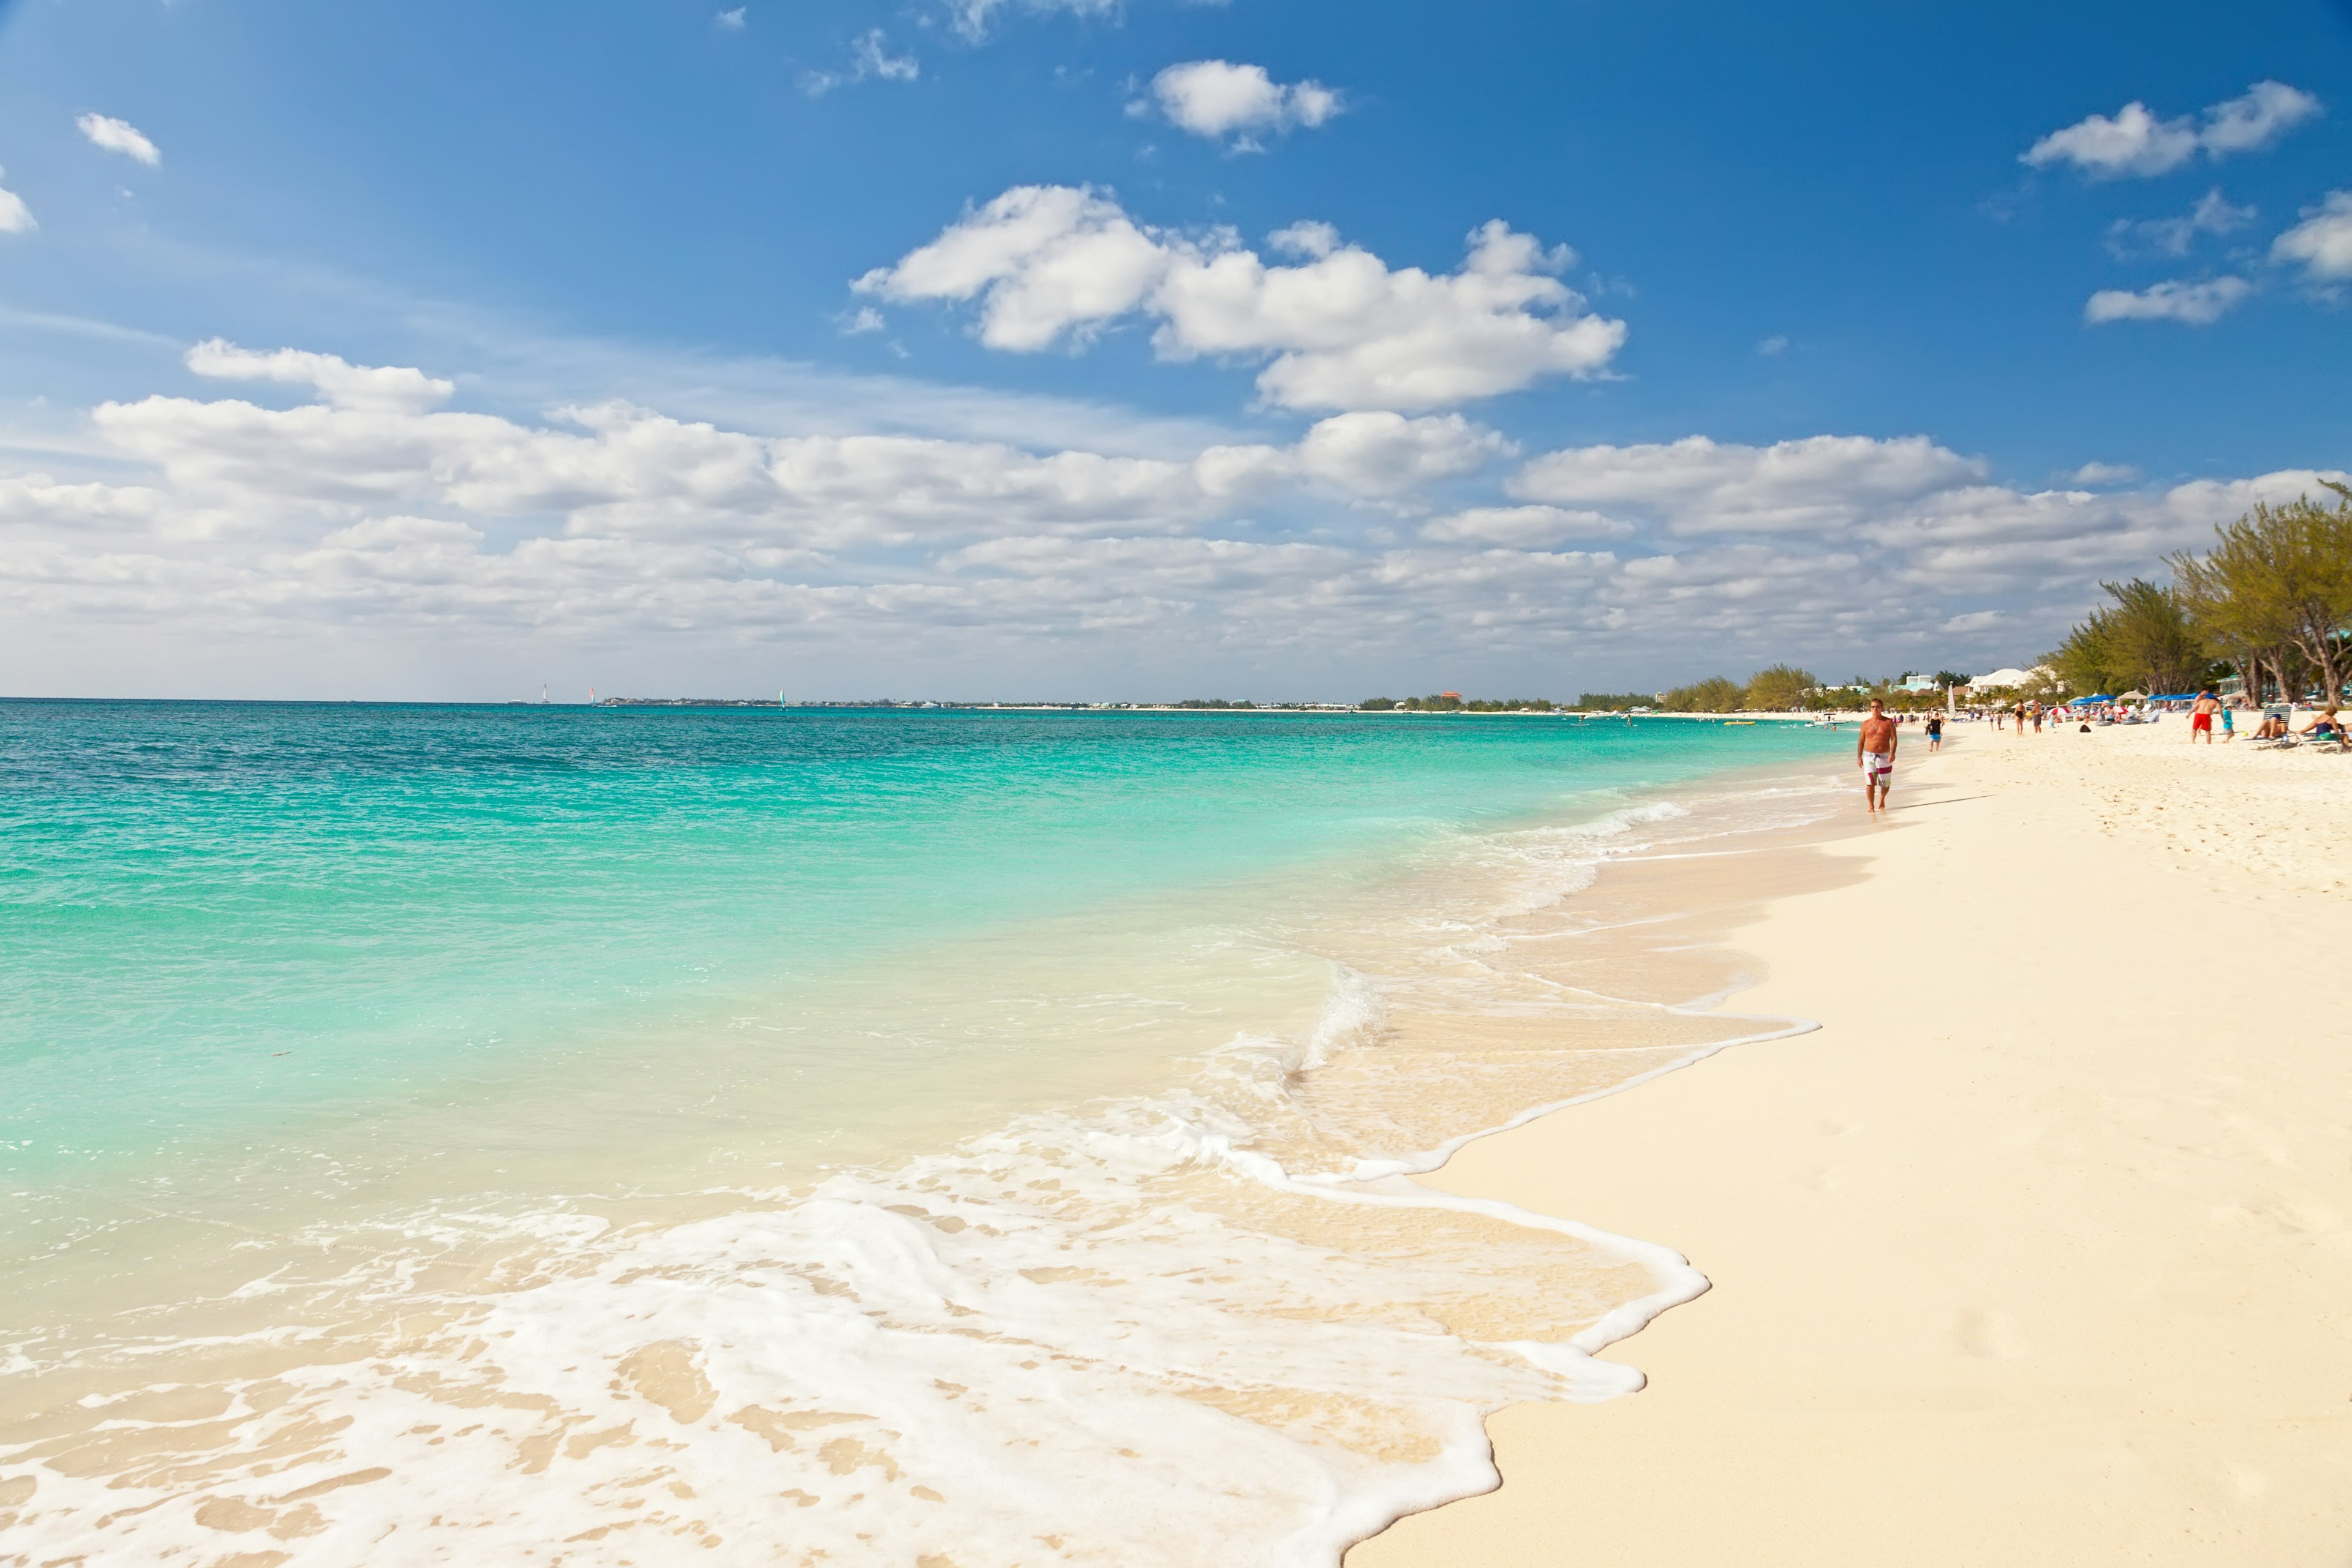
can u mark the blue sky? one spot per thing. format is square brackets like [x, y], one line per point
[1818, 376]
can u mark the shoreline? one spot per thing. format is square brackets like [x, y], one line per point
[2032, 1252]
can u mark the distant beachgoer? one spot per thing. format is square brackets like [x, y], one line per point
[2035, 708]
[2326, 727]
[1874, 750]
[2229, 725]
[2200, 717]
[1936, 732]
[2272, 727]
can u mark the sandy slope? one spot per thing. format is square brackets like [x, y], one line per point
[2040, 1251]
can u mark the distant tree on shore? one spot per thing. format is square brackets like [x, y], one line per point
[2273, 595]
[2144, 639]
[1454, 702]
[1779, 686]
[1716, 694]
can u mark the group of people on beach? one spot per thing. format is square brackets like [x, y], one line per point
[1875, 744]
[2325, 726]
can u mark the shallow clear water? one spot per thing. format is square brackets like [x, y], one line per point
[316, 1015]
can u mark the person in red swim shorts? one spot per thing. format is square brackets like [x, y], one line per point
[2200, 717]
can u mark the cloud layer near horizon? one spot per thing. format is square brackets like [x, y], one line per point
[374, 507]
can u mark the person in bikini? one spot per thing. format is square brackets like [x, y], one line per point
[1873, 748]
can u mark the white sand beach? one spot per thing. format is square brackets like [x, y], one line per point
[2039, 1250]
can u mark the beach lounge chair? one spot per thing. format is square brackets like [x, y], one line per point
[2260, 741]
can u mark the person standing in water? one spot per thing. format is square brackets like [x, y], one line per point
[1873, 748]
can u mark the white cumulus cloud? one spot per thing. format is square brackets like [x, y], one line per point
[1818, 484]
[1524, 527]
[870, 59]
[2266, 111]
[1383, 453]
[15, 217]
[2322, 242]
[1217, 99]
[973, 19]
[2134, 141]
[113, 135]
[2213, 214]
[1307, 237]
[1340, 329]
[341, 383]
[2197, 304]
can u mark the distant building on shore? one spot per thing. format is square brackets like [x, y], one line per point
[2009, 679]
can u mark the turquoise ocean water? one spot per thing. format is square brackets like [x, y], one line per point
[286, 988]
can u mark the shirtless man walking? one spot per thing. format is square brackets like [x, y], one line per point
[2200, 717]
[1873, 748]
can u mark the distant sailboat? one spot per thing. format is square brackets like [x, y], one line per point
[542, 694]
[592, 697]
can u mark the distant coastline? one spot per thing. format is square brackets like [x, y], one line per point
[1561, 710]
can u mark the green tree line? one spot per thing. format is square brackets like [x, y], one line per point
[2271, 600]
[1779, 690]
[1442, 704]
